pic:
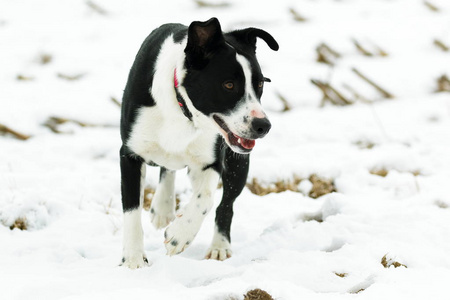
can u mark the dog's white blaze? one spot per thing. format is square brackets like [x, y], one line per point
[162, 133]
[248, 107]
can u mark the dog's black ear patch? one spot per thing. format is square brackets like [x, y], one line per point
[249, 36]
[203, 38]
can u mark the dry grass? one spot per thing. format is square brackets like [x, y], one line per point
[285, 102]
[205, 4]
[383, 172]
[330, 93]
[70, 77]
[431, 6]
[149, 192]
[443, 84]
[356, 95]
[441, 204]
[53, 123]
[5, 130]
[374, 51]
[115, 101]
[388, 262]
[320, 186]
[45, 58]
[381, 90]
[342, 275]
[22, 77]
[279, 186]
[379, 172]
[326, 55]
[297, 17]
[364, 144]
[257, 294]
[358, 291]
[20, 223]
[361, 49]
[441, 45]
[96, 8]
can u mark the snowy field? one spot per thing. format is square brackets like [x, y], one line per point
[384, 233]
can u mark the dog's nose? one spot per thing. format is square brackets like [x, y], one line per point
[261, 126]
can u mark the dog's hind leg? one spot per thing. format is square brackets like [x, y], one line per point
[133, 179]
[234, 178]
[182, 231]
[162, 211]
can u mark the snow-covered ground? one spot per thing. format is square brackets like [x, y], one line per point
[67, 188]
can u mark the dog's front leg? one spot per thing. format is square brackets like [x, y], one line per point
[183, 230]
[162, 211]
[133, 178]
[234, 178]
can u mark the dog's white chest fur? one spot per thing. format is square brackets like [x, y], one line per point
[172, 143]
[161, 133]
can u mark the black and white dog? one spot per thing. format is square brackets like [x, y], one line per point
[192, 100]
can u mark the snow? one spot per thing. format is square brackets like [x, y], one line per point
[67, 186]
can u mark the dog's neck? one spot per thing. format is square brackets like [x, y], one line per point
[180, 99]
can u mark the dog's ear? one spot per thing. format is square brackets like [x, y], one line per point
[249, 35]
[203, 39]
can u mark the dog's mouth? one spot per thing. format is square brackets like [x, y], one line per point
[244, 145]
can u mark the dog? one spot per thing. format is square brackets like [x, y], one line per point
[192, 100]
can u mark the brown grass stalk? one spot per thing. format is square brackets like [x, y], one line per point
[385, 93]
[297, 17]
[7, 130]
[441, 45]
[205, 4]
[330, 93]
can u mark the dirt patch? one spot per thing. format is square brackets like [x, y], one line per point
[257, 294]
[443, 84]
[321, 186]
[441, 204]
[20, 223]
[364, 144]
[388, 262]
[379, 172]
[282, 185]
[384, 172]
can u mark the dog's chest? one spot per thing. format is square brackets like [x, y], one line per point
[172, 143]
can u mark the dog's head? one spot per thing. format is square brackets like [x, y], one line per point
[224, 81]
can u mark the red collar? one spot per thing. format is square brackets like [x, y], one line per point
[180, 99]
[175, 80]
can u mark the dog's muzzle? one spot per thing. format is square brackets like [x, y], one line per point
[244, 144]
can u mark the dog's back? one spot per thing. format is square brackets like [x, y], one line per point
[140, 79]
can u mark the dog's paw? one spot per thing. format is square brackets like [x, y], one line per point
[218, 253]
[220, 247]
[135, 262]
[180, 234]
[161, 219]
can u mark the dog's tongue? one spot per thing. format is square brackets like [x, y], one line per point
[247, 144]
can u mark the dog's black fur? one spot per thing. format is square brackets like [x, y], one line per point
[211, 91]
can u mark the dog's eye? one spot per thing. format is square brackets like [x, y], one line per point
[261, 84]
[229, 85]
